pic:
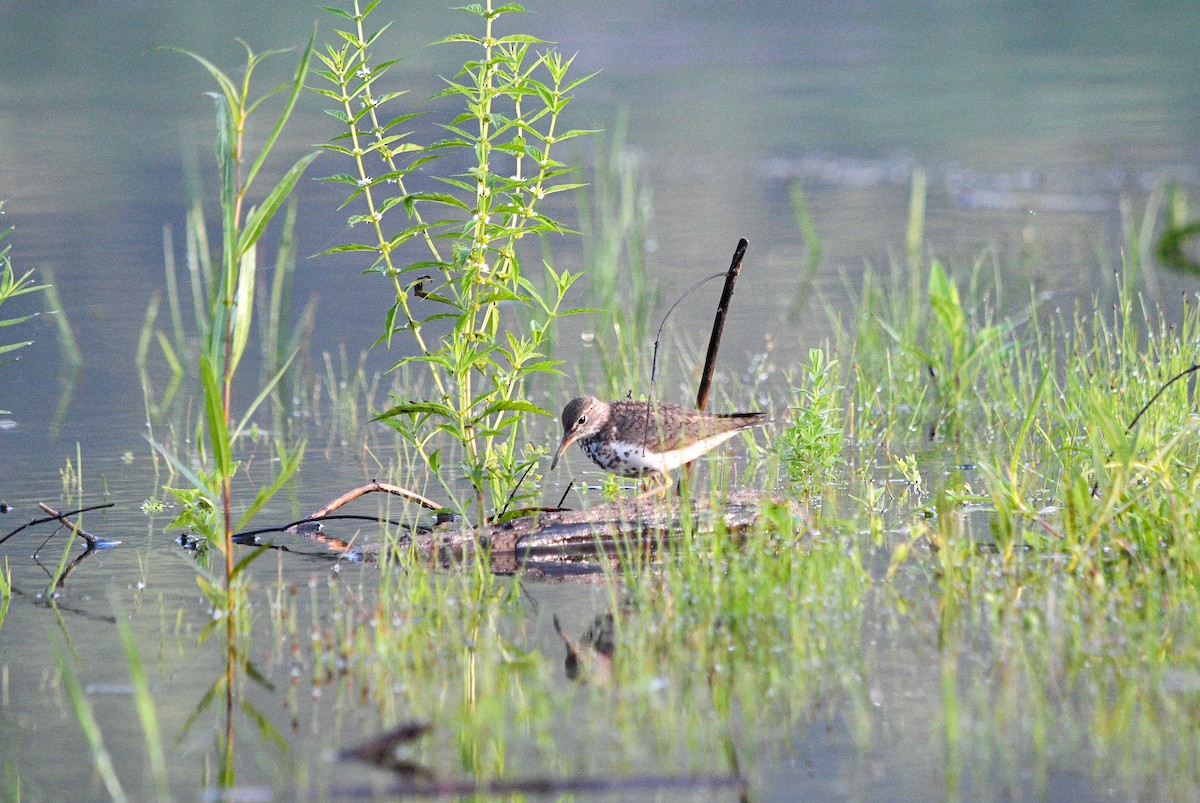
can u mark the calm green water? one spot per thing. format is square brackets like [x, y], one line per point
[1032, 120]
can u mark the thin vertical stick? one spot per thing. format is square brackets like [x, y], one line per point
[714, 340]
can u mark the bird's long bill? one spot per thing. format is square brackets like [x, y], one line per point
[562, 447]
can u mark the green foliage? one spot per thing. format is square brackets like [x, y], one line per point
[812, 445]
[479, 325]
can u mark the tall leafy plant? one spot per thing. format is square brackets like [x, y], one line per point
[208, 506]
[231, 299]
[477, 323]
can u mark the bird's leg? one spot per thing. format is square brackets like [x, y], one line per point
[663, 482]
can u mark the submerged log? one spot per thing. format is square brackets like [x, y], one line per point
[566, 533]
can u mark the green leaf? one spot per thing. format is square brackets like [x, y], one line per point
[243, 307]
[218, 430]
[416, 408]
[263, 394]
[245, 562]
[339, 249]
[257, 219]
[515, 405]
[521, 38]
[459, 37]
[289, 463]
[178, 465]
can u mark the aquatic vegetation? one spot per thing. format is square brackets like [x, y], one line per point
[11, 286]
[811, 444]
[477, 323]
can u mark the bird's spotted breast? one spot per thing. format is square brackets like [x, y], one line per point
[619, 457]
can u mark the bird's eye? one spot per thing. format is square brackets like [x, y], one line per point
[582, 420]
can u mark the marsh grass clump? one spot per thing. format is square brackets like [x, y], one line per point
[1048, 547]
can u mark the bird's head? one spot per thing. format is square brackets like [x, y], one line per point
[583, 416]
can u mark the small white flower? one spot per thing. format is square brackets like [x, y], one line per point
[363, 72]
[365, 181]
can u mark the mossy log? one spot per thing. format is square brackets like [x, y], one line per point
[557, 534]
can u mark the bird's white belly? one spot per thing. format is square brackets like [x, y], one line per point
[634, 460]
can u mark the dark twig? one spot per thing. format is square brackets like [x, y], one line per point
[512, 494]
[55, 517]
[714, 340]
[247, 536]
[1161, 390]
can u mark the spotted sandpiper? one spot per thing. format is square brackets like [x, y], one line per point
[636, 438]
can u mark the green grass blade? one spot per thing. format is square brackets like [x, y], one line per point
[144, 703]
[89, 726]
[262, 396]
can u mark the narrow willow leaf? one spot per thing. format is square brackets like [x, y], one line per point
[218, 430]
[289, 105]
[257, 219]
[243, 306]
[245, 562]
[459, 37]
[340, 249]
[514, 405]
[522, 38]
[416, 408]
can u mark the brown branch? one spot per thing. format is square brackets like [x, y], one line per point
[62, 517]
[371, 487]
